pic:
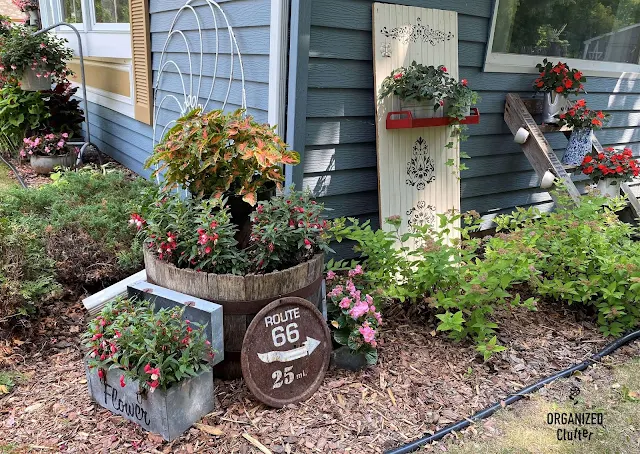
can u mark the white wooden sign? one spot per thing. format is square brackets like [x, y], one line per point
[414, 179]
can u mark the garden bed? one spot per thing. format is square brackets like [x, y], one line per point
[422, 382]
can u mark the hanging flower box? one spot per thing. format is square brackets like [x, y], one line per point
[404, 119]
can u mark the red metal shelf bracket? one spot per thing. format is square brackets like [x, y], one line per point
[403, 120]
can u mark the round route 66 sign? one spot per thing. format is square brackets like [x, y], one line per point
[286, 352]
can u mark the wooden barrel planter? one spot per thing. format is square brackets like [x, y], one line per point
[241, 297]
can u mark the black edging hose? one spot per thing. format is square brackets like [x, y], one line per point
[414, 445]
[15, 172]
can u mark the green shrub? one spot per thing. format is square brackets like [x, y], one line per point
[583, 255]
[72, 233]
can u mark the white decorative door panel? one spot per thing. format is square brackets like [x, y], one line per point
[414, 179]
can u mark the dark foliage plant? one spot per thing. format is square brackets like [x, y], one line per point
[65, 114]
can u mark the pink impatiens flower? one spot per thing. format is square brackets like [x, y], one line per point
[345, 303]
[359, 309]
[331, 275]
[368, 333]
[356, 271]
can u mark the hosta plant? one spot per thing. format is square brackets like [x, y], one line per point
[354, 318]
[219, 154]
[158, 349]
[46, 54]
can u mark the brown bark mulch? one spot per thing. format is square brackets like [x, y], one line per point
[422, 383]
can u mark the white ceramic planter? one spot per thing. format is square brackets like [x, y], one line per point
[609, 187]
[554, 104]
[44, 165]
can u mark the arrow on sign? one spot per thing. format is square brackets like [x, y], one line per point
[284, 357]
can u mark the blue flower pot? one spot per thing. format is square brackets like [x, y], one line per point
[580, 143]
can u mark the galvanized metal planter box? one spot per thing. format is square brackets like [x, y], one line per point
[168, 413]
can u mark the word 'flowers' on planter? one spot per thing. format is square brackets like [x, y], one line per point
[354, 317]
[579, 116]
[198, 234]
[221, 154]
[610, 164]
[558, 78]
[157, 349]
[44, 54]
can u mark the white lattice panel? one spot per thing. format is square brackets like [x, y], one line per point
[413, 178]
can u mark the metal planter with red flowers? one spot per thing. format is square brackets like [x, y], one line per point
[168, 413]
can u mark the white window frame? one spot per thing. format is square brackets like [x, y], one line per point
[98, 40]
[518, 63]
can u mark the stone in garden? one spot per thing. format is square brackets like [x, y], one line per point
[168, 413]
[196, 310]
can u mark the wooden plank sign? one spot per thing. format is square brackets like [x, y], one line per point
[286, 352]
[414, 179]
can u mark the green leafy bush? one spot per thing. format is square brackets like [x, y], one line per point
[581, 255]
[70, 232]
[21, 113]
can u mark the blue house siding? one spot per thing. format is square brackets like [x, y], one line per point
[124, 139]
[130, 142]
[340, 136]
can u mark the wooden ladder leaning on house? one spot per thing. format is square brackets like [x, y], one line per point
[517, 114]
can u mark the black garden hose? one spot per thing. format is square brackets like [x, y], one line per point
[15, 171]
[414, 445]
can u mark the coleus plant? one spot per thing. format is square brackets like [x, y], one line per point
[579, 116]
[219, 154]
[610, 164]
[558, 78]
[158, 349]
[355, 320]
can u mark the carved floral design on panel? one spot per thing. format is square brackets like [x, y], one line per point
[412, 33]
[420, 169]
[421, 214]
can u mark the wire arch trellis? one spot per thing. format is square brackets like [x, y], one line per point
[191, 99]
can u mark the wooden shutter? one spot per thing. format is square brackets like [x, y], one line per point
[141, 52]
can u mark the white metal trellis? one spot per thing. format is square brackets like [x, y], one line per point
[191, 98]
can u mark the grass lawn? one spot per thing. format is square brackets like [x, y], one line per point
[5, 178]
[524, 427]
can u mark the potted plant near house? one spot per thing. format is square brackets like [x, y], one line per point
[35, 61]
[610, 169]
[583, 121]
[153, 368]
[428, 91]
[557, 82]
[203, 246]
[49, 151]
[30, 7]
[354, 320]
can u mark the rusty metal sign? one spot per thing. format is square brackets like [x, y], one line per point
[286, 352]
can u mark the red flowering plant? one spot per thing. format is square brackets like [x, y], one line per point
[191, 233]
[355, 320]
[157, 348]
[418, 82]
[286, 231]
[47, 145]
[198, 233]
[558, 78]
[610, 164]
[579, 116]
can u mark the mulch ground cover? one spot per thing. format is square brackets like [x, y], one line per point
[422, 383]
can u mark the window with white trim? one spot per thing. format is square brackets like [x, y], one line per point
[601, 37]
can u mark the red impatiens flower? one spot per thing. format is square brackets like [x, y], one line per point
[307, 244]
[559, 89]
[100, 374]
[596, 122]
[464, 82]
[587, 159]
[568, 83]
[581, 103]
[398, 75]
[122, 383]
[444, 68]
[588, 170]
